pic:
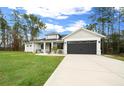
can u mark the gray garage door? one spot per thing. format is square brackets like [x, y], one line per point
[81, 47]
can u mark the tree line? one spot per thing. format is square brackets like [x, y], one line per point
[18, 29]
[109, 21]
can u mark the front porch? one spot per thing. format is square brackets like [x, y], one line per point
[49, 47]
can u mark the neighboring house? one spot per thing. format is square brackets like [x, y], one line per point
[81, 41]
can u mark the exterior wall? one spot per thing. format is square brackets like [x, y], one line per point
[32, 47]
[83, 36]
[29, 47]
[52, 37]
[98, 46]
[65, 47]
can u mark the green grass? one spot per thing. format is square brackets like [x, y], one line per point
[119, 57]
[19, 68]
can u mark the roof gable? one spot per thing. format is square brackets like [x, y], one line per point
[84, 33]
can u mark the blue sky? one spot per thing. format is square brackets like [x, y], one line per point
[63, 20]
[62, 16]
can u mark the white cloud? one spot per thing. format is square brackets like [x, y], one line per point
[71, 27]
[75, 26]
[75, 10]
[52, 27]
[57, 9]
[57, 13]
[61, 17]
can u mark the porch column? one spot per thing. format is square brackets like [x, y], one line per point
[44, 47]
[51, 45]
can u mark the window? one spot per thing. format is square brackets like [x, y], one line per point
[27, 45]
[30, 45]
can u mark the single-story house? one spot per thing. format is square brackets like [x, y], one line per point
[82, 41]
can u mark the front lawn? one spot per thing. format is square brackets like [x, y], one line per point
[119, 57]
[19, 68]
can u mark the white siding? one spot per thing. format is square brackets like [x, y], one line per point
[52, 37]
[32, 47]
[82, 35]
[29, 47]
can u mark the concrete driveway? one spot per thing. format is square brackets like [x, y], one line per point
[88, 70]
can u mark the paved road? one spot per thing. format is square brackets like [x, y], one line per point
[87, 70]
